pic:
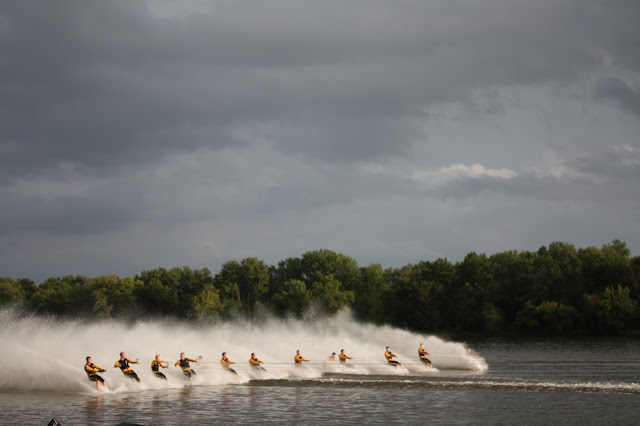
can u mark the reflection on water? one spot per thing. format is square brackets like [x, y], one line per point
[289, 404]
[93, 407]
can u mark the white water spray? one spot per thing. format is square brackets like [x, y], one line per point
[39, 353]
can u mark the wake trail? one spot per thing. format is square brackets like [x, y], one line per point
[506, 385]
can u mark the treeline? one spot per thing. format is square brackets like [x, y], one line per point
[558, 289]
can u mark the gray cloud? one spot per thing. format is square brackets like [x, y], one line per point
[112, 82]
[621, 93]
[223, 116]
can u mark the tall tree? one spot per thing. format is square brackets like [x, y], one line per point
[295, 298]
[244, 284]
[10, 291]
[207, 305]
[372, 294]
[616, 308]
[327, 290]
[53, 296]
[315, 264]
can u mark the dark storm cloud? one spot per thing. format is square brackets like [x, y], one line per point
[231, 118]
[66, 215]
[60, 205]
[107, 84]
[81, 84]
[618, 91]
[612, 27]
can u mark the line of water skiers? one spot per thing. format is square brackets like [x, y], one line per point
[123, 364]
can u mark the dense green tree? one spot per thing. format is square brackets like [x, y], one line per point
[287, 269]
[207, 304]
[170, 292]
[113, 295]
[431, 282]
[154, 297]
[315, 264]
[28, 287]
[253, 283]
[615, 268]
[512, 272]
[591, 266]
[607, 266]
[527, 317]
[372, 294]
[437, 284]
[243, 285]
[418, 301]
[556, 316]
[294, 299]
[428, 305]
[492, 318]
[556, 289]
[469, 294]
[616, 307]
[101, 306]
[399, 281]
[548, 316]
[634, 265]
[327, 290]
[557, 275]
[53, 296]
[226, 281]
[10, 291]
[468, 309]
[475, 268]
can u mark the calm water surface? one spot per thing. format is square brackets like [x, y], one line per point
[588, 381]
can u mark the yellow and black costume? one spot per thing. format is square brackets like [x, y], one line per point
[155, 368]
[422, 353]
[123, 364]
[186, 367]
[343, 359]
[299, 359]
[91, 370]
[226, 364]
[389, 356]
[255, 364]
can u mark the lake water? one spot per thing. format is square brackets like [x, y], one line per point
[535, 381]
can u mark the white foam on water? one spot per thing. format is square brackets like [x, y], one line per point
[39, 353]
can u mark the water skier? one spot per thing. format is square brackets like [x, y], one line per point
[183, 362]
[123, 364]
[389, 356]
[299, 359]
[343, 358]
[155, 367]
[330, 359]
[422, 353]
[226, 363]
[254, 362]
[91, 369]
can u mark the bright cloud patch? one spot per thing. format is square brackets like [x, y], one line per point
[461, 171]
[443, 175]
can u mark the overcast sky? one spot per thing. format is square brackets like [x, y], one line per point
[140, 134]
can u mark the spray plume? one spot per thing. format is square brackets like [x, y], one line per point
[41, 353]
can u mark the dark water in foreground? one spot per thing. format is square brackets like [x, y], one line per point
[528, 382]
